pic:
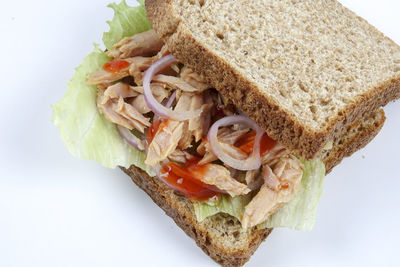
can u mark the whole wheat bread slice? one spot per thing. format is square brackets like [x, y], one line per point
[303, 70]
[220, 236]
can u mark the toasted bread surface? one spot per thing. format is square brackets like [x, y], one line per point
[303, 70]
[220, 236]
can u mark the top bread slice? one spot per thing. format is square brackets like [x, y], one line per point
[221, 236]
[303, 70]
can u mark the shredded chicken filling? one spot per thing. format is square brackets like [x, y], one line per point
[121, 100]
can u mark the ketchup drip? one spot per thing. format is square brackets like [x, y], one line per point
[152, 130]
[246, 143]
[185, 179]
[115, 66]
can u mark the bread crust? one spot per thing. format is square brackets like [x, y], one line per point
[278, 123]
[353, 139]
[180, 209]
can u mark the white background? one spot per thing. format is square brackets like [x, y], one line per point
[56, 210]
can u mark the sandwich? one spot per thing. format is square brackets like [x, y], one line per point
[229, 114]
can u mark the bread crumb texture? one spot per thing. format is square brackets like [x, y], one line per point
[303, 70]
[312, 57]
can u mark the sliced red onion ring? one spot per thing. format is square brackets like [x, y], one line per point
[130, 138]
[168, 105]
[152, 103]
[171, 100]
[253, 162]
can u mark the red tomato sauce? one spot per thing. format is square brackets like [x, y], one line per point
[246, 143]
[116, 66]
[152, 130]
[185, 180]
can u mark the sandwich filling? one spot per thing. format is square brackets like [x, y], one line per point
[136, 105]
[196, 142]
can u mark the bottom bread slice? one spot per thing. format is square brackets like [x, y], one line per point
[220, 236]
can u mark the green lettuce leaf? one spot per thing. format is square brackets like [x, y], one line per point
[299, 213]
[227, 204]
[85, 132]
[127, 21]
